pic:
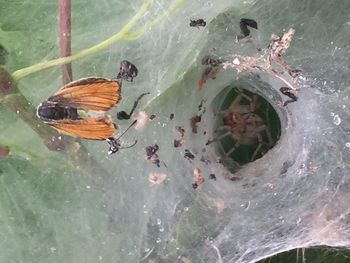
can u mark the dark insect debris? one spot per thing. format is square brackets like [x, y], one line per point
[209, 141]
[295, 73]
[181, 141]
[205, 160]
[122, 115]
[188, 155]
[171, 116]
[193, 122]
[208, 73]
[127, 71]
[152, 117]
[245, 23]
[197, 178]
[200, 106]
[212, 177]
[197, 23]
[151, 154]
[211, 61]
[288, 92]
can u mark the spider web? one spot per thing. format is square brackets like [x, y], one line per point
[296, 195]
[283, 200]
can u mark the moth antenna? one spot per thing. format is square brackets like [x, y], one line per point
[122, 115]
[132, 124]
[137, 102]
[132, 145]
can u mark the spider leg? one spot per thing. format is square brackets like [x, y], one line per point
[233, 105]
[264, 128]
[269, 136]
[242, 94]
[223, 128]
[237, 144]
[254, 103]
[260, 140]
[131, 145]
[222, 135]
[230, 132]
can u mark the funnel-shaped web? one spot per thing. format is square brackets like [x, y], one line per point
[295, 195]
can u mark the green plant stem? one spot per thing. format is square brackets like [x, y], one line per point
[173, 7]
[123, 34]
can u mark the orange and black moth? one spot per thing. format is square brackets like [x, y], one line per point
[62, 110]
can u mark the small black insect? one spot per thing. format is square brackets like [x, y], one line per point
[171, 116]
[211, 61]
[287, 91]
[243, 25]
[198, 22]
[128, 71]
[152, 117]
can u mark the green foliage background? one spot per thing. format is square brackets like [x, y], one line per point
[50, 211]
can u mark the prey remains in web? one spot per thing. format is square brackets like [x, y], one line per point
[271, 61]
[72, 109]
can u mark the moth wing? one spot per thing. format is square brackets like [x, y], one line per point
[97, 94]
[92, 128]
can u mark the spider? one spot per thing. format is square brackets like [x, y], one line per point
[243, 125]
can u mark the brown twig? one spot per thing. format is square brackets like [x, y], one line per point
[64, 23]
[4, 151]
